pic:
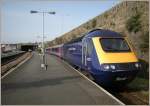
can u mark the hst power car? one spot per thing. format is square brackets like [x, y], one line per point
[106, 55]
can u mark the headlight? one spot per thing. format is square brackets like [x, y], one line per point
[106, 67]
[137, 65]
[112, 67]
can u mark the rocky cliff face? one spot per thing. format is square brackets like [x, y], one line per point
[131, 18]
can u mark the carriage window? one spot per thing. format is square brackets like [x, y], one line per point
[114, 45]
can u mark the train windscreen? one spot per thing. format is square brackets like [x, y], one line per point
[114, 45]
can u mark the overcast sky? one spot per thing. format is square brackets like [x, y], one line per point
[20, 26]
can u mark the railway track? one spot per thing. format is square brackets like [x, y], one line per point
[9, 57]
[9, 62]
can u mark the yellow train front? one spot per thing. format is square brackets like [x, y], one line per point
[112, 61]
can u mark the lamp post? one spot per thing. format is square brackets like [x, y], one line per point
[43, 65]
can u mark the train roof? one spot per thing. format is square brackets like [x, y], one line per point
[55, 46]
[98, 33]
[103, 33]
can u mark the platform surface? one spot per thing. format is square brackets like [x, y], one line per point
[58, 85]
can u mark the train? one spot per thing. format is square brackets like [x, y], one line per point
[107, 55]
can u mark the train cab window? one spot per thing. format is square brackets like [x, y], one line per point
[89, 47]
[114, 45]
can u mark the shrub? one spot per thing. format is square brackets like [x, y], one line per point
[87, 25]
[58, 40]
[144, 46]
[112, 24]
[94, 23]
[133, 23]
[105, 15]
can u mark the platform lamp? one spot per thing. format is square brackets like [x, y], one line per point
[43, 65]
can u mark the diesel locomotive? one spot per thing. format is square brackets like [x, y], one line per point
[105, 54]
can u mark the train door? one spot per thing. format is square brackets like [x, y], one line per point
[89, 53]
[87, 49]
[84, 53]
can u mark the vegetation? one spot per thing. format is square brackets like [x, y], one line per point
[58, 40]
[90, 25]
[87, 26]
[144, 46]
[94, 23]
[112, 24]
[140, 85]
[133, 23]
[74, 36]
[105, 15]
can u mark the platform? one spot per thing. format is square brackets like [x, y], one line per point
[58, 85]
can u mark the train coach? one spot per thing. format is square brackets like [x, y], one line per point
[55, 50]
[105, 54]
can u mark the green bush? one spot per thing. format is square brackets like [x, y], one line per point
[105, 15]
[144, 46]
[87, 26]
[94, 23]
[133, 23]
[112, 24]
[91, 24]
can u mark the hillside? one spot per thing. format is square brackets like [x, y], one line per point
[131, 18]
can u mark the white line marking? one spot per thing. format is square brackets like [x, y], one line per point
[11, 70]
[95, 84]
